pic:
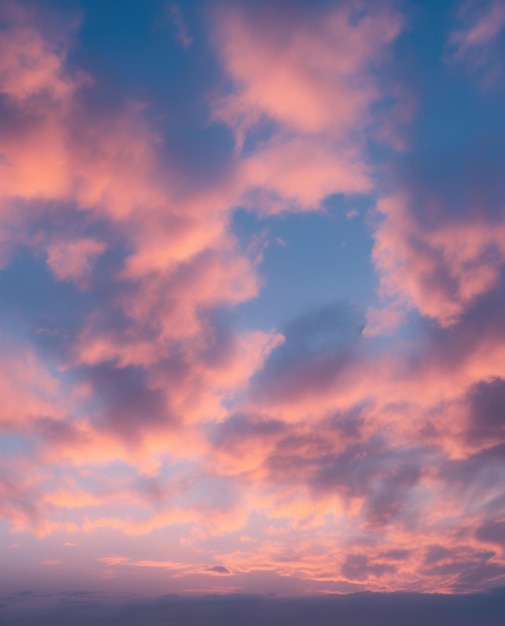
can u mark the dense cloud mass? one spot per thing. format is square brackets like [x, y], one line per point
[157, 437]
[359, 609]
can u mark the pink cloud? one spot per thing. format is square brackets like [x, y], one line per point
[318, 93]
[28, 387]
[475, 42]
[319, 81]
[297, 174]
[31, 64]
[438, 269]
[484, 30]
[73, 260]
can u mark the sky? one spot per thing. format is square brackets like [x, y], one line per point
[252, 291]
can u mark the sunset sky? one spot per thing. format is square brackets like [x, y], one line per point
[252, 298]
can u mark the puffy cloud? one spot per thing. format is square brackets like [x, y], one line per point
[73, 260]
[299, 173]
[321, 78]
[439, 268]
[438, 241]
[314, 102]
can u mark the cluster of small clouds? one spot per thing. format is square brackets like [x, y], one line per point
[302, 453]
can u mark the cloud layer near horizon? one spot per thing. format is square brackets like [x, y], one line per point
[147, 434]
[384, 610]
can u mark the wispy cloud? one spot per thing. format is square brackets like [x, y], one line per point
[174, 14]
[476, 42]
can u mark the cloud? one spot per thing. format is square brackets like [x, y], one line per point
[219, 569]
[357, 567]
[476, 42]
[174, 14]
[73, 260]
[427, 267]
[439, 610]
[493, 533]
[322, 65]
[438, 240]
[313, 104]
[487, 416]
